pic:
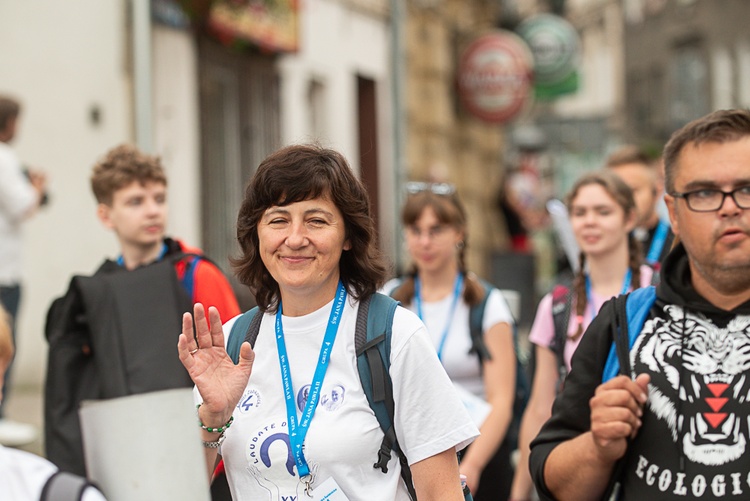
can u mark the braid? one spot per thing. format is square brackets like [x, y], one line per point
[404, 293]
[579, 284]
[473, 289]
[461, 257]
[635, 254]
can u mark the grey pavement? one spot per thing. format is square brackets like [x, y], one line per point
[24, 404]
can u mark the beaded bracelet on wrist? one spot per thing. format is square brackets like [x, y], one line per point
[209, 429]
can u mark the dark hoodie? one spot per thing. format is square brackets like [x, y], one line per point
[695, 431]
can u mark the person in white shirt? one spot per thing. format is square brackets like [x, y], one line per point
[22, 192]
[309, 255]
[442, 292]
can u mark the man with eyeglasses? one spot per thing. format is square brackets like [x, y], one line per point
[677, 425]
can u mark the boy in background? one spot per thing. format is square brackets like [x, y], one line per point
[115, 333]
[639, 172]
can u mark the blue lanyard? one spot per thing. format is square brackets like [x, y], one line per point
[298, 431]
[456, 295]
[121, 260]
[625, 288]
[657, 243]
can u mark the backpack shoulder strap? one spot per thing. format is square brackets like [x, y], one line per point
[476, 316]
[372, 341]
[562, 305]
[245, 328]
[655, 277]
[188, 279]
[637, 306]
[64, 486]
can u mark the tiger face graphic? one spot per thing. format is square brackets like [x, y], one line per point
[699, 385]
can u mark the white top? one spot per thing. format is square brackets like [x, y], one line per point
[462, 366]
[344, 436]
[17, 197]
[23, 475]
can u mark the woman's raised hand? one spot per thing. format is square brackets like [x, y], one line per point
[219, 381]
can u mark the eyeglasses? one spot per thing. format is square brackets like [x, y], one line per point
[709, 200]
[432, 233]
[413, 187]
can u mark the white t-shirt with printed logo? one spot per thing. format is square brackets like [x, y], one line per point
[344, 436]
[461, 364]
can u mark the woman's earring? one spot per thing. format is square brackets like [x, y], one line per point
[460, 245]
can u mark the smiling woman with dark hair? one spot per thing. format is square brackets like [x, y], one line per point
[308, 253]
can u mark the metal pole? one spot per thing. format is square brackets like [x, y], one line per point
[398, 21]
[142, 94]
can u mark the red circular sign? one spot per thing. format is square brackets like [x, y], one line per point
[494, 76]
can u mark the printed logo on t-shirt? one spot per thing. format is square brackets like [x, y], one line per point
[700, 391]
[271, 463]
[331, 397]
[250, 400]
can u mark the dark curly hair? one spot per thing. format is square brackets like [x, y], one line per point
[304, 172]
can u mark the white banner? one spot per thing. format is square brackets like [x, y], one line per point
[145, 447]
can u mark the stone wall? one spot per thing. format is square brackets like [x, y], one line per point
[444, 142]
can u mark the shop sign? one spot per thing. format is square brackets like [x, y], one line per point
[556, 48]
[271, 25]
[494, 76]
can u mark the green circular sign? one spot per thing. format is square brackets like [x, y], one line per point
[555, 46]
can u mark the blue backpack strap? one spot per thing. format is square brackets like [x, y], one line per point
[245, 328]
[64, 486]
[188, 280]
[637, 307]
[372, 340]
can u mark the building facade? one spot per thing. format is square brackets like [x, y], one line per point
[444, 142]
[683, 59]
[212, 104]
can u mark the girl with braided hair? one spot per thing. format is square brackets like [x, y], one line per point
[441, 290]
[602, 214]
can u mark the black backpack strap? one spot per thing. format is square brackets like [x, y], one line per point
[372, 339]
[562, 306]
[655, 277]
[522, 389]
[64, 486]
[245, 328]
[476, 315]
[619, 327]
